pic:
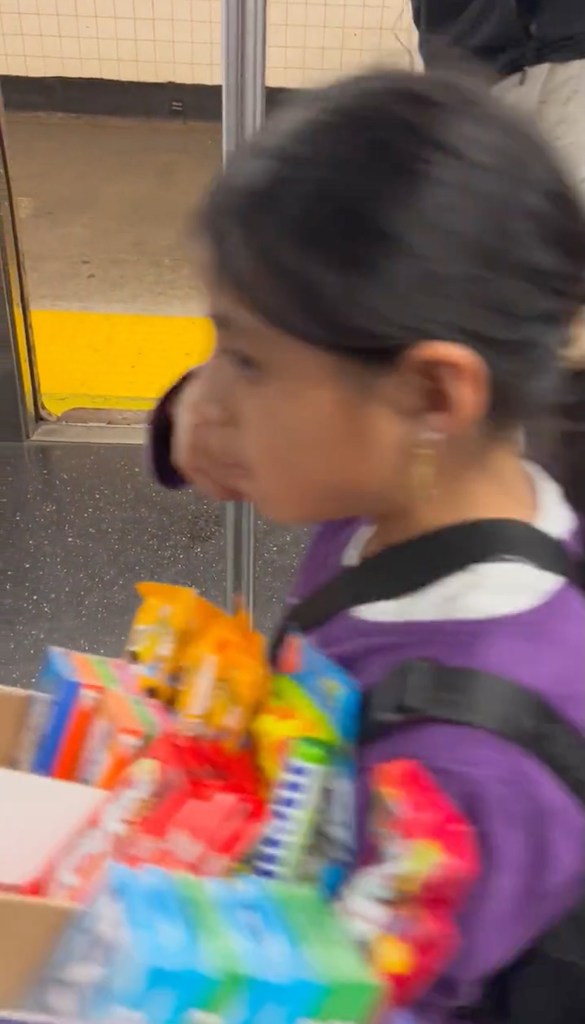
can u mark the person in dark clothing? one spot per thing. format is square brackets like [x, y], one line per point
[536, 51]
[510, 36]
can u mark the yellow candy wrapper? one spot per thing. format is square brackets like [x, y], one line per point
[224, 679]
[167, 620]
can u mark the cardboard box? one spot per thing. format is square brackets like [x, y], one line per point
[29, 926]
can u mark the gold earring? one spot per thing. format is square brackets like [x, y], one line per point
[424, 468]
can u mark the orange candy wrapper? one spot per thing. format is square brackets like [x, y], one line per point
[224, 679]
[209, 665]
[164, 624]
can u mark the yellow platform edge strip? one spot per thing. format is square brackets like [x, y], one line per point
[113, 360]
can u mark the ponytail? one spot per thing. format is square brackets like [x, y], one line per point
[572, 441]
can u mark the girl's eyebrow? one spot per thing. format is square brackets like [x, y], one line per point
[223, 321]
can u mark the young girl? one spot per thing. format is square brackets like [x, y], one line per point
[393, 266]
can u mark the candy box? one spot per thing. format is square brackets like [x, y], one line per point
[30, 926]
[86, 858]
[204, 810]
[90, 687]
[346, 990]
[173, 808]
[163, 948]
[270, 964]
[49, 712]
[14, 711]
[294, 807]
[62, 715]
[74, 971]
[130, 952]
[121, 728]
[155, 973]
[305, 987]
[216, 950]
[311, 697]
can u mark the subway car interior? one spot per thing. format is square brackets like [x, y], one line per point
[370, 819]
[110, 130]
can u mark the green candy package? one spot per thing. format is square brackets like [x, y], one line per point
[350, 992]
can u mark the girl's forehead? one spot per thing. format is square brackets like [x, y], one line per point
[227, 306]
[234, 320]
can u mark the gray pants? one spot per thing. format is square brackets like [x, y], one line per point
[554, 94]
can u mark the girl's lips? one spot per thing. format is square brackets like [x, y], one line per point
[236, 473]
[229, 484]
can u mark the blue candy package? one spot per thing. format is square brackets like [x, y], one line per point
[49, 713]
[75, 980]
[265, 952]
[158, 980]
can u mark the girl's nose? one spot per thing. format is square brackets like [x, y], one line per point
[211, 407]
[212, 413]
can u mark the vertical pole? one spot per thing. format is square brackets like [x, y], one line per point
[243, 59]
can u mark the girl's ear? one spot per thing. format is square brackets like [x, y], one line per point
[448, 384]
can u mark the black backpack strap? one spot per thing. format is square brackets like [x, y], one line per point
[427, 691]
[405, 568]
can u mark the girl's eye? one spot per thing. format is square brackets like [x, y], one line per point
[242, 362]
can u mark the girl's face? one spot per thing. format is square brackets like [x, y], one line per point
[307, 436]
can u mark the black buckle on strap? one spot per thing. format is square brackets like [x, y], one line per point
[403, 697]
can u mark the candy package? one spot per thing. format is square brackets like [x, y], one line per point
[223, 679]
[163, 625]
[311, 697]
[191, 806]
[161, 948]
[87, 719]
[403, 905]
[422, 836]
[304, 743]
[347, 986]
[50, 710]
[122, 727]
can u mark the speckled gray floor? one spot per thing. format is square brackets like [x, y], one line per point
[80, 524]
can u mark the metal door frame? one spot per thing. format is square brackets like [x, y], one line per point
[20, 404]
[243, 92]
[243, 107]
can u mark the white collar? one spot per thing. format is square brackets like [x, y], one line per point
[481, 591]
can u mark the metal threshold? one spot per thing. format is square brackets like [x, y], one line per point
[94, 426]
[89, 433]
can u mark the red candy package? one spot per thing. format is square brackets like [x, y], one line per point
[402, 906]
[186, 804]
[204, 811]
[420, 831]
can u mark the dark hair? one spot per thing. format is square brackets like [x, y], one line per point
[394, 207]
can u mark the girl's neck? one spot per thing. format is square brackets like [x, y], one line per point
[499, 487]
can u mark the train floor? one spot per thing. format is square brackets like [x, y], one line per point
[81, 524]
[105, 209]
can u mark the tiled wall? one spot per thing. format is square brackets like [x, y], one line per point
[314, 40]
[179, 40]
